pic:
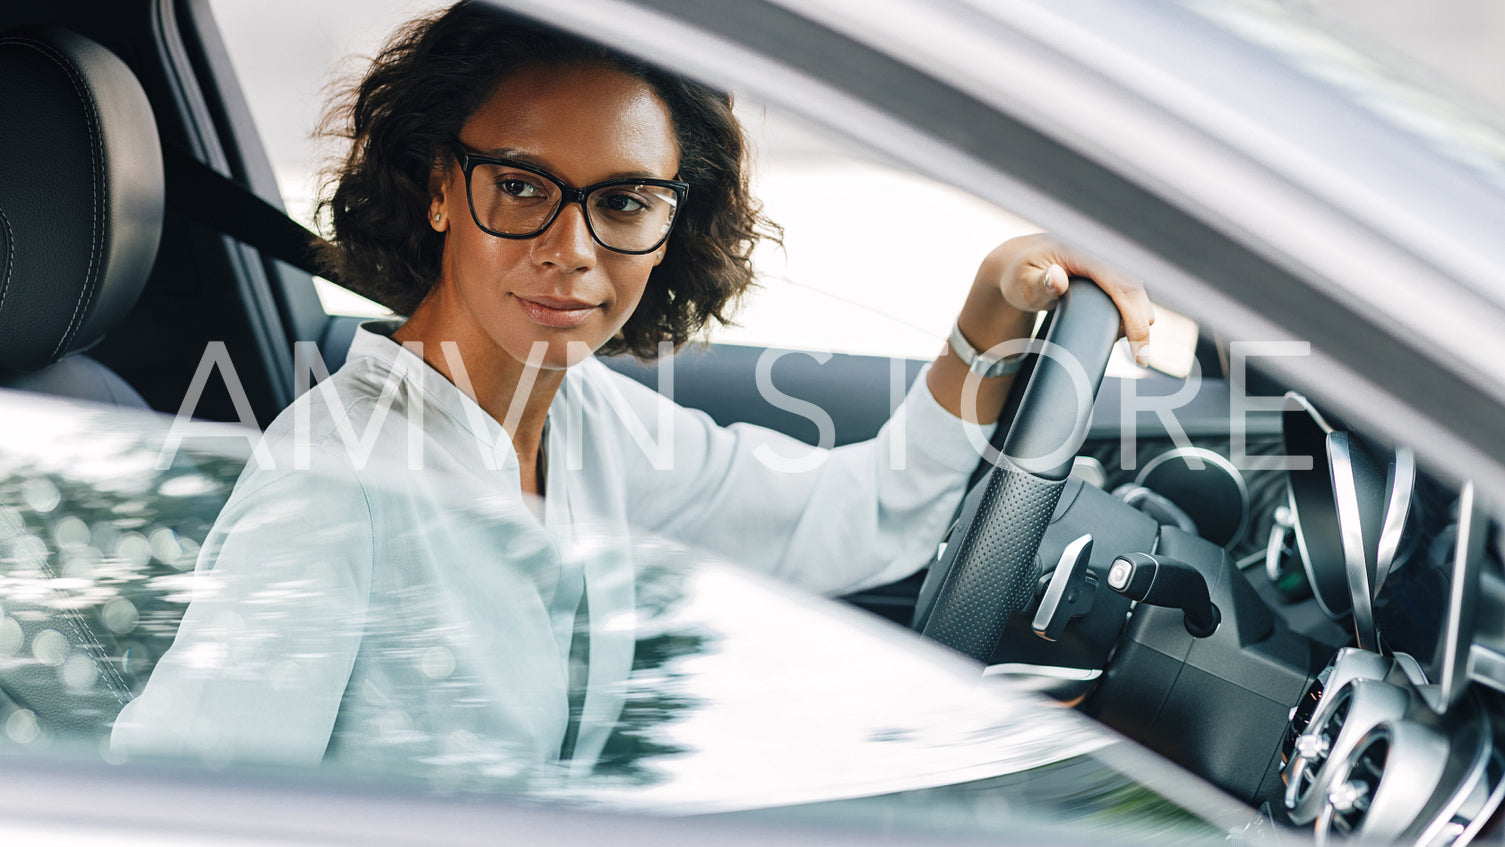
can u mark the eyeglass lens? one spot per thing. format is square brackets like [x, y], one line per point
[624, 216]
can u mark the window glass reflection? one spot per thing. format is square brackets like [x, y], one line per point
[744, 696]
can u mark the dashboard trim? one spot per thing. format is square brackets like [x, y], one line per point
[1304, 433]
[1402, 484]
[1473, 524]
[1477, 775]
[1342, 460]
[1216, 460]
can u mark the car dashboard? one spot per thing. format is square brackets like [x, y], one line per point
[1342, 572]
[1263, 708]
[1393, 739]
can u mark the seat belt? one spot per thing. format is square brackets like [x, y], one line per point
[207, 196]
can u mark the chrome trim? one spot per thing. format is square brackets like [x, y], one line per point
[1496, 771]
[1414, 764]
[1486, 666]
[1066, 685]
[1283, 526]
[1348, 665]
[1458, 784]
[1351, 531]
[1218, 461]
[1306, 406]
[1402, 486]
[1309, 746]
[1452, 821]
[1071, 568]
[1311, 574]
[1320, 587]
[1306, 561]
[1453, 676]
[1132, 494]
[1408, 665]
[1370, 704]
[1043, 671]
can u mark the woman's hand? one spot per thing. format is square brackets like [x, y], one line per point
[1031, 273]
[1019, 278]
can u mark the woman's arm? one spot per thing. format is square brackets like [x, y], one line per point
[262, 656]
[833, 521]
[1020, 278]
[867, 513]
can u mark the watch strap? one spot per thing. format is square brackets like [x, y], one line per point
[981, 363]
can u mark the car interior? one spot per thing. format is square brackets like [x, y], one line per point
[1197, 602]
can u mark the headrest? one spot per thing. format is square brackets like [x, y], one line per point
[81, 194]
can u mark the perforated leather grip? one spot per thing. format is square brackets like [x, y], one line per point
[990, 573]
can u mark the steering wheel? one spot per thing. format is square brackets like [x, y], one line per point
[989, 570]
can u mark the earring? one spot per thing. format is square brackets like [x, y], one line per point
[436, 217]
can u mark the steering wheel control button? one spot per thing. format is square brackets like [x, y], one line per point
[1071, 592]
[1167, 582]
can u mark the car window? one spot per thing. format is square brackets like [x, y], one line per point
[876, 259]
[98, 550]
[1325, 41]
[137, 639]
[288, 56]
[102, 515]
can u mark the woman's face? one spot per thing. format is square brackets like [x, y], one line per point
[583, 123]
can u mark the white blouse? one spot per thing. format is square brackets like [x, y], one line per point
[377, 593]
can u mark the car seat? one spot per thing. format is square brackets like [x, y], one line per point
[81, 206]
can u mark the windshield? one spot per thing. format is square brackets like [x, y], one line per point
[744, 695]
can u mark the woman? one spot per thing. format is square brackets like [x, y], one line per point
[528, 200]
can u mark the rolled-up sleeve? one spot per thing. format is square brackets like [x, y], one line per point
[834, 521]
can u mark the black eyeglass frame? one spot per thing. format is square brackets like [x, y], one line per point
[567, 194]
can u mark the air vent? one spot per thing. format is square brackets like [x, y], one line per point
[1377, 792]
[1301, 713]
[1309, 750]
[1332, 734]
[1349, 800]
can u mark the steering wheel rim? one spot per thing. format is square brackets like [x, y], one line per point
[989, 569]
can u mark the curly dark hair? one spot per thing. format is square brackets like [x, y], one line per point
[428, 79]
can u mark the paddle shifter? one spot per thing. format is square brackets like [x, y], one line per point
[1163, 581]
[1071, 593]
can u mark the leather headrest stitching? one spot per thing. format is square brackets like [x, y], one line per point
[7, 255]
[76, 257]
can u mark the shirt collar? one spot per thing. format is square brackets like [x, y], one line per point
[373, 342]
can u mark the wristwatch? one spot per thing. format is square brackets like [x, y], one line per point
[981, 363]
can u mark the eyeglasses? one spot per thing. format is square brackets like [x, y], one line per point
[512, 200]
